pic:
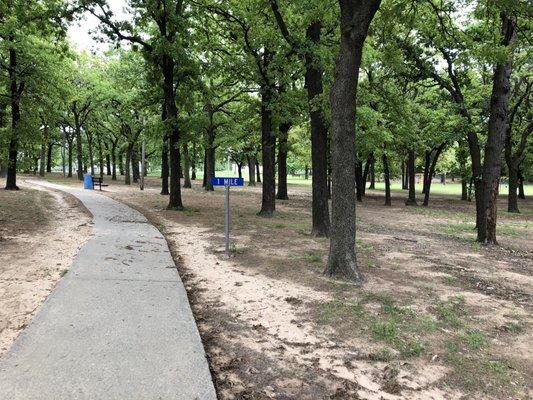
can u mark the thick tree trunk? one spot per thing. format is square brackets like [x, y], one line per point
[411, 172]
[186, 168]
[251, 170]
[268, 150]
[101, 157]
[355, 17]
[386, 176]
[499, 104]
[15, 91]
[427, 163]
[282, 161]
[175, 202]
[319, 134]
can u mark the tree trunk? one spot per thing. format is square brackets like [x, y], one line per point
[427, 163]
[282, 161]
[49, 157]
[405, 184]
[464, 189]
[42, 158]
[359, 180]
[386, 175]
[373, 173]
[251, 170]
[91, 154]
[258, 171]
[79, 152]
[101, 157]
[193, 161]
[210, 155]
[319, 134]
[70, 156]
[512, 199]
[15, 91]
[411, 200]
[366, 172]
[164, 167]
[136, 173]
[268, 147]
[499, 104]
[175, 202]
[306, 172]
[127, 175]
[521, 193]
[431, 172]
[355, 18]
[186, 168]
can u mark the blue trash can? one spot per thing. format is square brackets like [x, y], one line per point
[88, 182]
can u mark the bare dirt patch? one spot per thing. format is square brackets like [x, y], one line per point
[439, 317]
[40, 233]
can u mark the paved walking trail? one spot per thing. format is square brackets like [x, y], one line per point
[117, 326]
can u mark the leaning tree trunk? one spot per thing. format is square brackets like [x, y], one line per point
[251, 170]
[386, 176]
[319, 134]
[268, 147]
[282, 161]
[355, 18]
[499, 104]
[431, 172]
[411, 172]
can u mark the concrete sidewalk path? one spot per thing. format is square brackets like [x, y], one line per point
[117, 326]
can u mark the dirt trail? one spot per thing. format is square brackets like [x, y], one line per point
[40, 233]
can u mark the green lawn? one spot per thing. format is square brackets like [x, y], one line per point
[436, 188]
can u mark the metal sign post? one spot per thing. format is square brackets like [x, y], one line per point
[227, 183]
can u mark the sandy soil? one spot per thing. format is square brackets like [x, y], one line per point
[40, 233]
[436, 313]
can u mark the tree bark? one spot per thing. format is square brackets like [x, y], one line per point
[251, 170]
[49, 157]
[386, 175]
[42, 158]
[282, 161]
[194, 161]
[405, 184]
[431, 172]
[136, 174]
[258, 171]
[499, 104]
[171, 111]
[268, 147]
[359, 180]
[210, 152]
[127, 166]
[411, 171]
[464, 189]
[512, 199]
[366, 172]
[319, 134]
[186, 168]
[15, 93]
[355, 19]
[373, 173]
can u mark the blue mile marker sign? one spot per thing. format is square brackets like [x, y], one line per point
[227, 181]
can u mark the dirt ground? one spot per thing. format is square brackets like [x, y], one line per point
[438, 317]
[40, 233]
